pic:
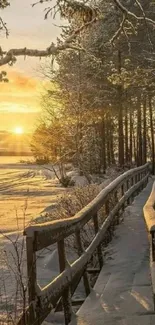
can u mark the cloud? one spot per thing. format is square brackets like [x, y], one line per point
[17, 107]
[19, 80]
[21, 93]
[19, 101]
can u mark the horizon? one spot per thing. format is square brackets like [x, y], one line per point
[15, 142]
[13, 132]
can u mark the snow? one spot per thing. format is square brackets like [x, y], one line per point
[28, 191]
[89, 209]
[33, 189]
[25, 189]
[123, 292]
[149, 212]
[76, 178]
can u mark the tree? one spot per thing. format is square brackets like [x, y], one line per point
[100, 90]
[89, 14]
[119, 73]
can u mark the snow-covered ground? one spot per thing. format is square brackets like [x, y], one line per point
[26, 190]
[122, 294]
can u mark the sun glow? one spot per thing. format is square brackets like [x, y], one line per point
[18, 130]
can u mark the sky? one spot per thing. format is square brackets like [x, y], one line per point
[20, 98]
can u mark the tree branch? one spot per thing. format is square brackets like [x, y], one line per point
[145, 20]
[119, 30]
[125, 11]
[10, 56]
[4, 27]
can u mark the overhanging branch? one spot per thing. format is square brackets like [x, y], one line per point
[10, 56]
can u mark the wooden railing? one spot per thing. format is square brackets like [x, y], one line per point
[102, 213]
[149, 215]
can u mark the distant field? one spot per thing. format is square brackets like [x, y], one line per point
[24, 190]
[14, 159]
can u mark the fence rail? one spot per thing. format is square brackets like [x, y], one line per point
[59, 292]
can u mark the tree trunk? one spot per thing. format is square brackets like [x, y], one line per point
[108, 142]
[139, 133]
[126, 138]
[120, 117]
[131, 136]
[144, 132]
[134, 147]
[103, 145]
[112, 146]
[152, 134]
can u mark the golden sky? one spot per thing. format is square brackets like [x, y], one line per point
[20, 98]
[19, 101]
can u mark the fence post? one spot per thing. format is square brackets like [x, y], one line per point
[116, 199]
[148, 171]
[99, 248]
[127, 187]
[66, 296]
[107, 208]
[132, 181]
[80, 251]
[31, 273]
[142, 176]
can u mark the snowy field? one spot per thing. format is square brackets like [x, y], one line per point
[25, 192]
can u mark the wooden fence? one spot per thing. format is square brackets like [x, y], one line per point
[110, 202]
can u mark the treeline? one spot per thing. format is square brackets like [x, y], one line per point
[15, 153]
[99, 109]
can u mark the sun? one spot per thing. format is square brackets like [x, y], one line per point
[18, 130]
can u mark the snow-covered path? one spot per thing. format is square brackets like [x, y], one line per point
[123, 293]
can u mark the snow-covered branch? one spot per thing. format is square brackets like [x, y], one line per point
[10, 56]
[129, 13]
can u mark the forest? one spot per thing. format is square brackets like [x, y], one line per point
[99, 108]
[97, 112]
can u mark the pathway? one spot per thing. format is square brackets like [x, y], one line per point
[123, 293]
